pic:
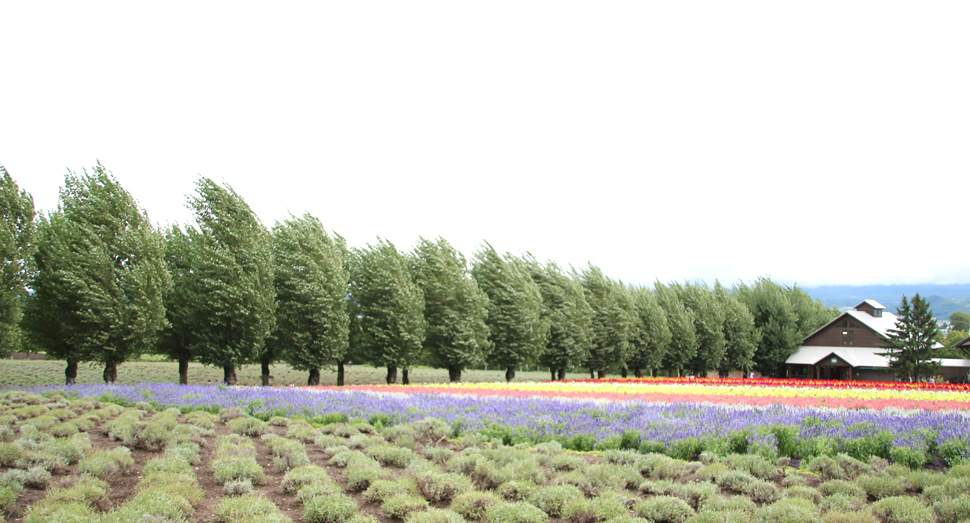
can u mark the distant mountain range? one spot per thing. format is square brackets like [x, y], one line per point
[944, 299]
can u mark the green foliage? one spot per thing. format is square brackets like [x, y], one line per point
[229, 305]
[107, 463]
[441, 486]
[953, 510]
[842, 487]
[683, 341]
[401, 505]
[753, 464]
[8, 496]
[791, 510]
[708, 315]
[615, 319]
[960, 321]
[826, 467]
[909, 346]
[253, 508]
[903, 509]
[299, 477]
[741, 335]
[100, 276]
[455, 307]
[474, 503]
[248, 426]
[517, 328]
[435, 515]
[784, 316]
[16, 252]
[312, 326]
[651, 337]
[570, 317]
[596, 509]
[57, 512]
[663, 508]
[515, 512]
[552, 498]
[337, 508]
[912, 458]
[954, 451]
[382, 489]
[882, 486]
[391, 455]
[387, 305]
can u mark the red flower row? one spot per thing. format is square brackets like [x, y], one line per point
[780, 382]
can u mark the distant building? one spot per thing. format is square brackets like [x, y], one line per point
[849, 348]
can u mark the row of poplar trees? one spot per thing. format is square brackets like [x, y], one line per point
[95, 281]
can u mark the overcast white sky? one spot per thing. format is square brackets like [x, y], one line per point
[823, 142]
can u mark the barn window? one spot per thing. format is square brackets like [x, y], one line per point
[848, 338]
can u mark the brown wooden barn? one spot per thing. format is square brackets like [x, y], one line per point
[848, 348]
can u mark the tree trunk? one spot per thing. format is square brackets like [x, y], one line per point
[510, 373]
[623, 372]
[70, 373]
[562, 373]
[110, 373]
[340, 374]
[454, 373]
[264, 376]
[552, 372]
[229, 374]
[183, 371]
[637, 372]
[391, 374]
[592, 374]
[600, 374]
[404, 377]
[314, 379]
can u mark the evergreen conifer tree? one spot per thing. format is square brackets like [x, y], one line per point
[910, 343]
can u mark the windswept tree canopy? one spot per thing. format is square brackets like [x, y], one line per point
[230, 253]
[311, 294]
[455, 308]
[517, 329]
[389, 307]
[101, 275]
[16, 250]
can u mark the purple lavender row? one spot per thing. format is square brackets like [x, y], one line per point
[540, 419]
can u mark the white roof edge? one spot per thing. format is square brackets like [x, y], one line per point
[873, 303]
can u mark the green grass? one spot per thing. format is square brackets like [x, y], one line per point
[29, 373]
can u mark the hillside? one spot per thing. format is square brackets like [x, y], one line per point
[944, 299]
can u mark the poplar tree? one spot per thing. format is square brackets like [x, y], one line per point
[683, 343]
[455, 308]
[312, 325]
[100, 276]
[741, 337]
[784, 316]
[389, 307]
[517, 329]
[570, 318]
[230, 254]
[16, 251]
[177, 339]
[614, 321]
[652, 337]
[909, 346]
[708, 326]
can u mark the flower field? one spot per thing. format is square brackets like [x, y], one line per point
[656, 450]
[792, 393]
